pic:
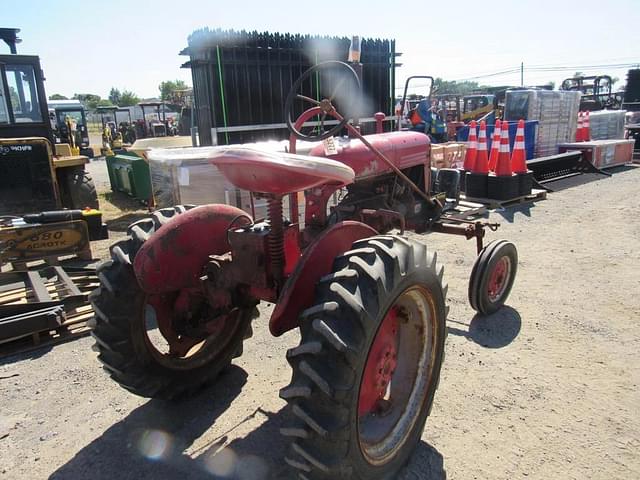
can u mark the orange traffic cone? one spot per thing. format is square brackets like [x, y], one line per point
[519, 156]
[472, 149]
[482, 159]
[495, 147]
[586, 128]
[579, 130]
[503, 165]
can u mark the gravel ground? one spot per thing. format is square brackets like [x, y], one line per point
[547, 388]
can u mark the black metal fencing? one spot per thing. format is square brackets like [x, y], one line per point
[242, 78]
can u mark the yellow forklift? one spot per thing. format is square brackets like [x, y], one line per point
[48, 202]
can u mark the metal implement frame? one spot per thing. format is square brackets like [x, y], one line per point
[563, 165]
[46, 300]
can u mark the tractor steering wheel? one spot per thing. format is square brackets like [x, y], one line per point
[325, 105]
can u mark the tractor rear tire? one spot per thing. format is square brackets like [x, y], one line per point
[81, 190]
[121, 334]
[335, 432]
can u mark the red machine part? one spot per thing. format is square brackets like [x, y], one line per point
[381, 363]
[498, 279]
[174, 257]
[404, 149]
[299, 290]
[169, 306]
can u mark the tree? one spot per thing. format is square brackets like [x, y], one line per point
[89, 100]
[57, 96]
[104, 103]
[128, 98]
[168, 90]
[442, 87]
[115, 96]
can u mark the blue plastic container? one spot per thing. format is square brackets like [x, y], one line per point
[529, 135]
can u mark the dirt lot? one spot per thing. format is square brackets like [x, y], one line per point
[547, 388]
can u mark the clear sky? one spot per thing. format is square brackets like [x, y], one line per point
[88, 46]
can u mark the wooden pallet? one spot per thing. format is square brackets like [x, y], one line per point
[74, 326]
[492, 204]
[53, 290]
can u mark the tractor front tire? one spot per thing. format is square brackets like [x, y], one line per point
[368, 364]
[492, 276]
[81, 190]
[121, 335]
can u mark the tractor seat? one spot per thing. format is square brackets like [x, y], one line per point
[277, 173]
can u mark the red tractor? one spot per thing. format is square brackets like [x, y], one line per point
[178, 296]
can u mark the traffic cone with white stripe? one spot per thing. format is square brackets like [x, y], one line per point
[469, 156]
[579, 130]
[519, 156]
[476, 178]
[503, 165]
[472, 148]
[495, 146]
[482, 159]
[586, 128]
[503, 184]
[519, 162]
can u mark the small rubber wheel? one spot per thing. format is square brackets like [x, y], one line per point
[368, 364]
[133, 346]
[492, 276]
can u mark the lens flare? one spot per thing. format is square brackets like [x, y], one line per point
[221, 463]
[154, 444]
[251, 467]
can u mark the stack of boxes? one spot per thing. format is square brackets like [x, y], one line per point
[555, 111]
[607, 124]
[447, 155]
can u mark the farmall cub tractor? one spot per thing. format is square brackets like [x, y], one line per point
[178, 296]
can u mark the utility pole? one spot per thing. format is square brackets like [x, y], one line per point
[522, 74]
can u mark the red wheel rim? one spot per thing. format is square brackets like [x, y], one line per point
[180, 350]
[499, 279]
[380, 366]
[397, 375]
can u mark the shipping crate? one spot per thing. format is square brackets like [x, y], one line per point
[448, 155]
[603, 153]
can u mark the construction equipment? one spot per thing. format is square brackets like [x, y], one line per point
[69, 124]
[632, 105]
[596, 91]
[32, 178]
[115, 135]
[178, 297]
[156, 124]
[477, 106]
[425, 114]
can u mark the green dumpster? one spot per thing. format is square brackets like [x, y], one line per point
[129, 173]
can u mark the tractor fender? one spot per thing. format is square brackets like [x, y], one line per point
[317, 261]
[173, 257]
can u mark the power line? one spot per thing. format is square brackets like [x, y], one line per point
[538, 68]
[495, 74]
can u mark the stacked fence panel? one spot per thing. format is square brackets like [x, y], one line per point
[242, 79]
